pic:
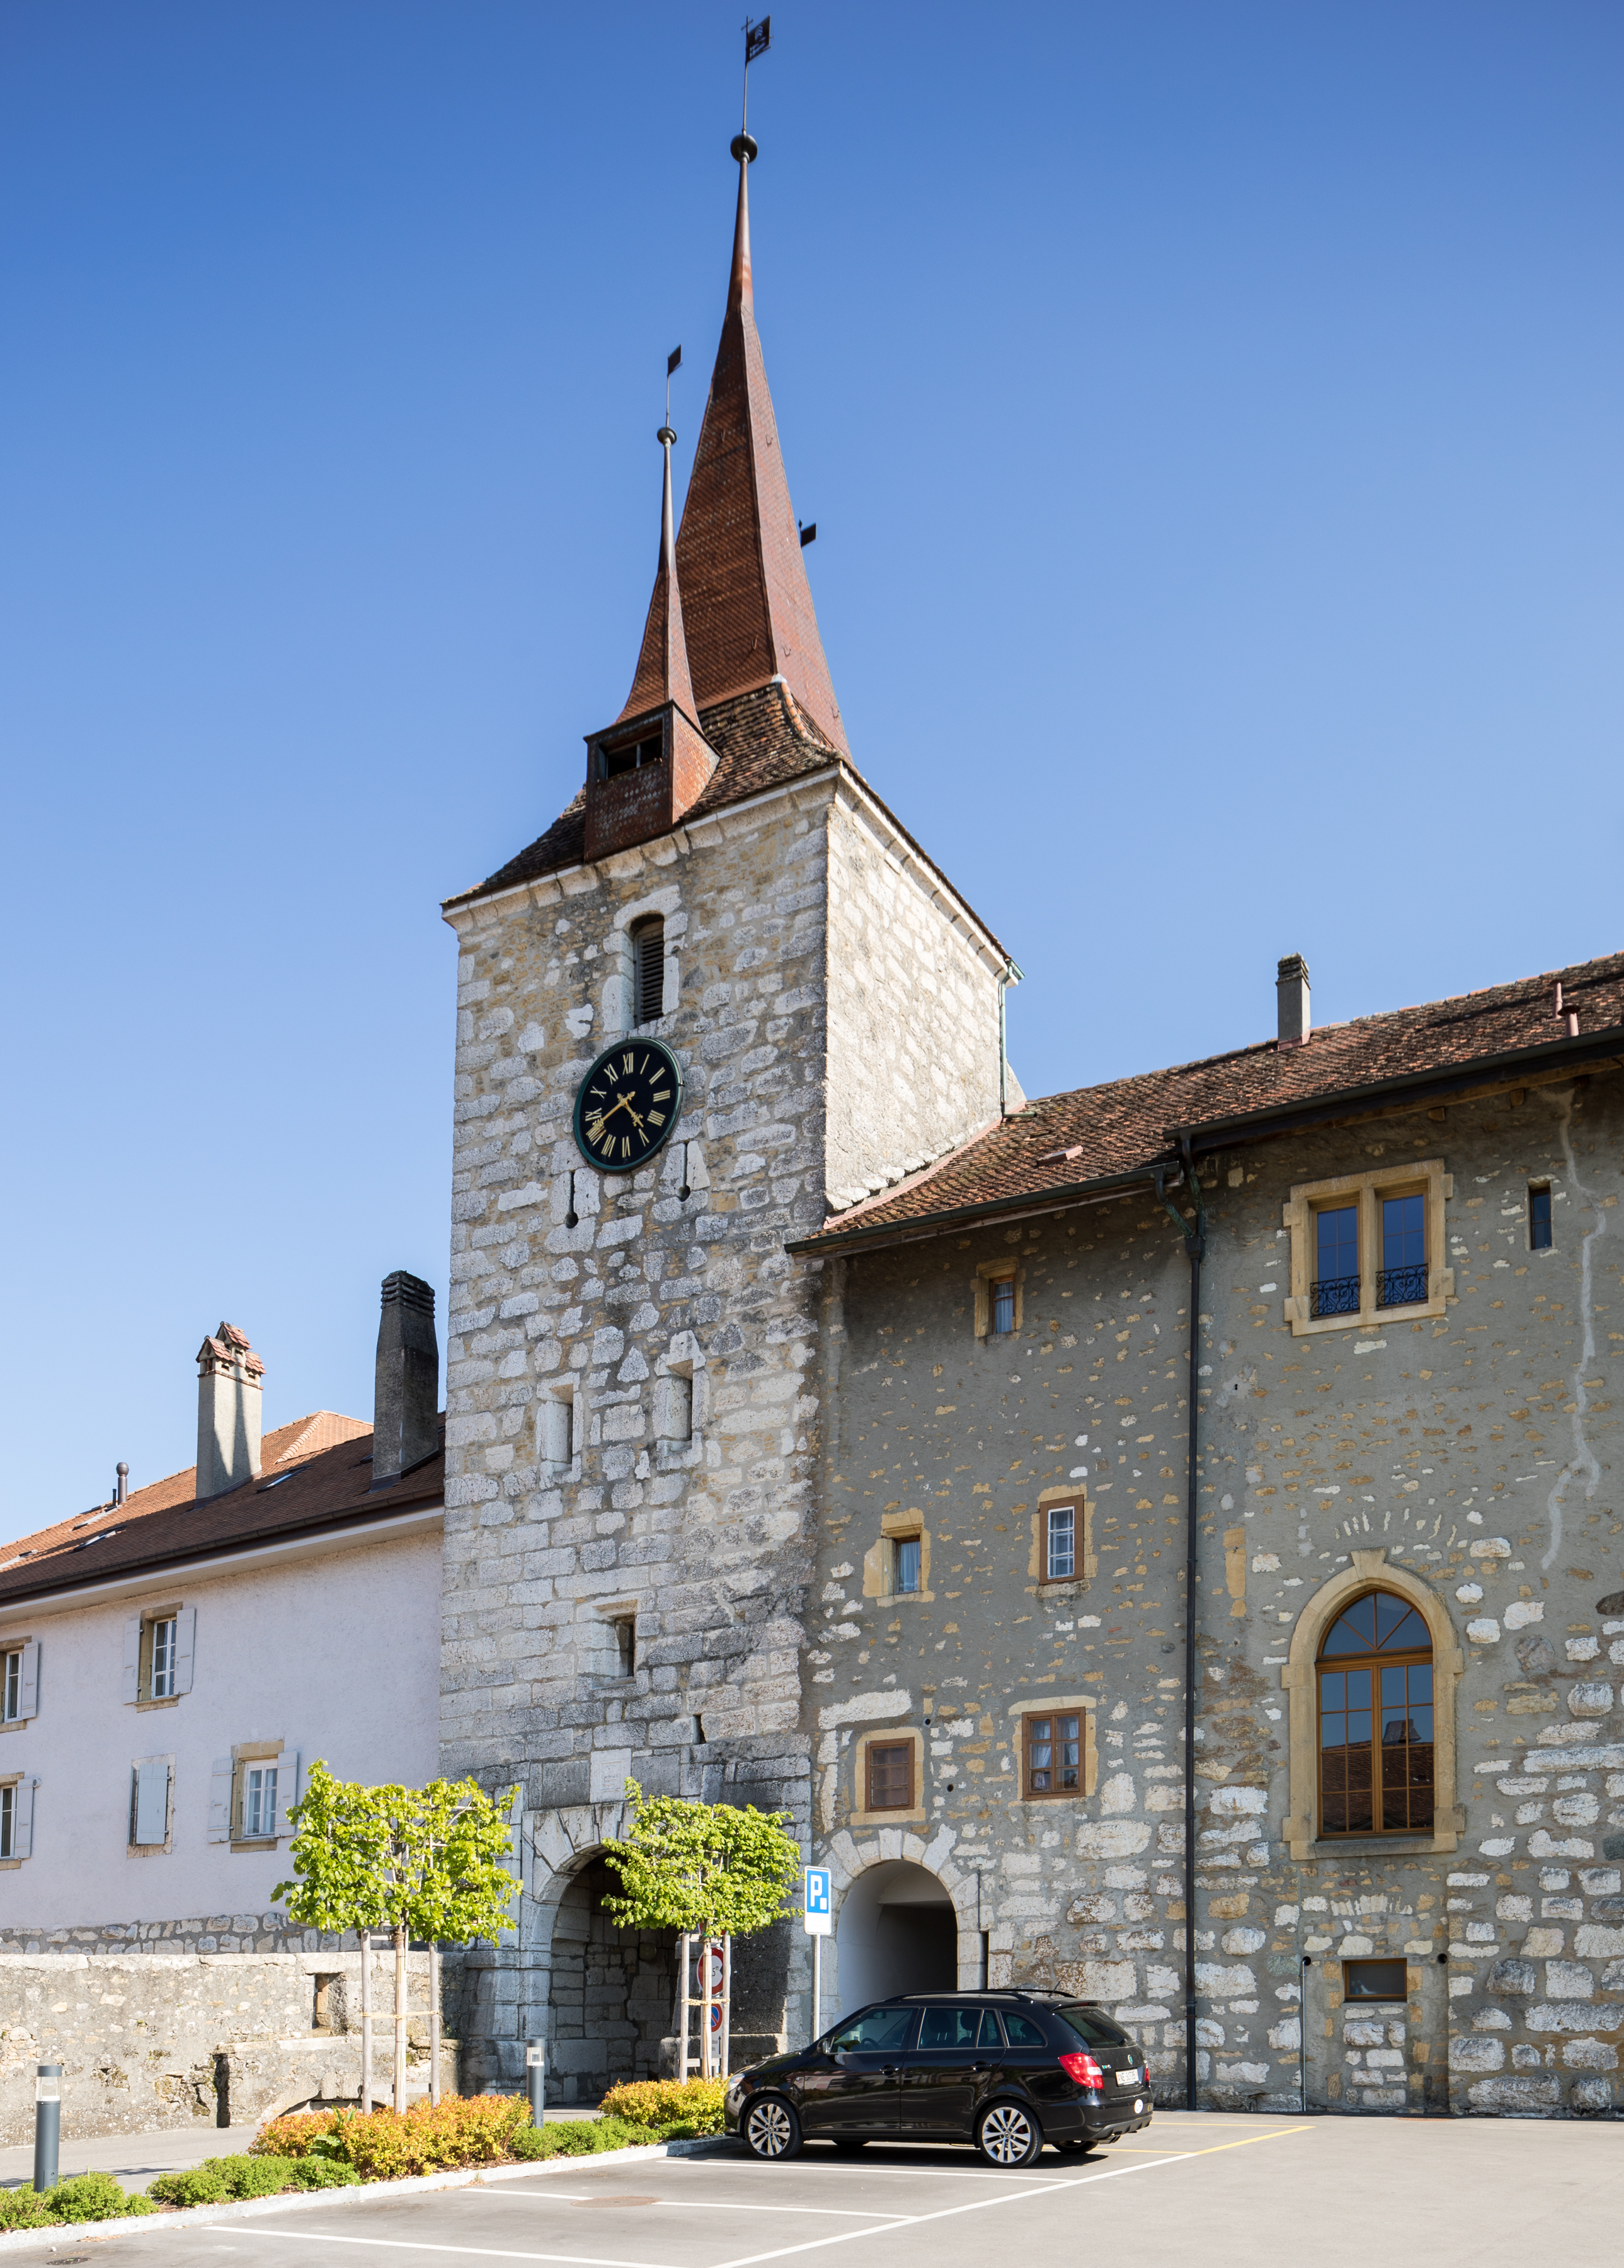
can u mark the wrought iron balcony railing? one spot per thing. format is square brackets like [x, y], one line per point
[1337, 1295]
[1401, 1287]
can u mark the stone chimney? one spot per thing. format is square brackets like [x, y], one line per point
[1291, 991]
[406, 1405]
[229, 1374]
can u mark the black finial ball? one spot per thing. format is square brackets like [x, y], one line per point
[743, 145]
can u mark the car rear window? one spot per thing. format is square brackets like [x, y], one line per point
[1093, 2029]
[1021, 2031]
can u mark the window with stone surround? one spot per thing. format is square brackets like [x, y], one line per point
[159, 1647]
[1368, 1250]
[887, 1775]
[20, 1682]
[998, 1298]
[1056, 1755]
[16, 1820]
[1375, 1704]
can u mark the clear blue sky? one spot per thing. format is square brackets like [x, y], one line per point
[1212, 417]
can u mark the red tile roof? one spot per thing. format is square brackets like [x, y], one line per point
[315, 1474]
[1121, 1130]
[762, 741]
[662, 672]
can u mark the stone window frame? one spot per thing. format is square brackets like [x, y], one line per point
[1424, 1176]
[1085, 1559]
[886, 1737]
[880, 1561]
[987, 1273]
[245, 1753]
[1082, 1705]
[17, 1782]
[1300, 1680]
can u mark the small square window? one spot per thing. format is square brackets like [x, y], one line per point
[905, 1567]
[1061, 1556]
[1539, 1216]
[891, 1775]
[1375, 1980]
[1052, 1754]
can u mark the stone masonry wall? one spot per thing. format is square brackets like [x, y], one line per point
[681, 1265]
[914, 985]
[1477, 1449]
[169, 2039]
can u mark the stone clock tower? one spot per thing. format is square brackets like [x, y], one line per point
[631, 1435]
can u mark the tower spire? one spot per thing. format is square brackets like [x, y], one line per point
[748, 606]
[662, 673]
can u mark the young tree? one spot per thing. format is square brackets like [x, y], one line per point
[430, 1862]
[711, 1867]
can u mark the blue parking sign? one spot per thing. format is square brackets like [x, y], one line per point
[820, 1901]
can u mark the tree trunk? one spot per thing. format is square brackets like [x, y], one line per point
[400, 2018]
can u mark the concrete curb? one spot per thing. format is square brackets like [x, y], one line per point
[193, 2216]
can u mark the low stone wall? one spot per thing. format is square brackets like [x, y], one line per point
[179, 2039]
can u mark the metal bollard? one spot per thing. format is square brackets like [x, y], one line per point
[535, 2077]
[47, 2125]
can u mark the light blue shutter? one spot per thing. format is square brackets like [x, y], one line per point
[186, 1642]
[22, 1819]
[132, 1659]
[28, 1681]
[220, 1801]
[152, 1803]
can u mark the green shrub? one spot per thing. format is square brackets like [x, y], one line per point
[692, 2106]
[323, 2174]
[86, 2197]
[20, 2208]
[578, 2138]
[190, 2185]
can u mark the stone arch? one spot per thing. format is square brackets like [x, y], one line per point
[1368, 1571]
[849, 1861]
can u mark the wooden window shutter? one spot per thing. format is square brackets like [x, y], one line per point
[132, 1658]
[28, 1681]
[186, 1644]
[151, 1820]
[22, 1820]
[220, 1801]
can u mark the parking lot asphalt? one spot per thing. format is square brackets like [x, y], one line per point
[1236, 2192]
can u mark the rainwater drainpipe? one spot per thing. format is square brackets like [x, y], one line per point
[1194, 1234]
[1011, 975]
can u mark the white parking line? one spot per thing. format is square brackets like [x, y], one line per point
[403, 2244]
[695, 2204]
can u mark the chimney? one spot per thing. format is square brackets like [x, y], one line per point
[1291, 991]
[229, 1374]
[121, 1486]
[406, 1406]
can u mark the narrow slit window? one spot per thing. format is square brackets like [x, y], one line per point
[1003, 1304]
[906, 1567]
[1539, 1216]
[1061, 1561]
[1336, 1261]
[648, 946]
[625, 1628]
[1402, 1282]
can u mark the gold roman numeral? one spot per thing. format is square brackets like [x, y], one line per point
[663, 1096]
[626, 1145]
[625, 1063]
[656, 1118]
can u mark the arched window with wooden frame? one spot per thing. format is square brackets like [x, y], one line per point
[1374, 1676]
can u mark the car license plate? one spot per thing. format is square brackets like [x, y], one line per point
[1130, 2075]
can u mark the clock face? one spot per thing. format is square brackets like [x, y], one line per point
[628, 1105]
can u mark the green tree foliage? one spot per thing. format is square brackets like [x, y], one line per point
[705, 1866]
[431, 1861]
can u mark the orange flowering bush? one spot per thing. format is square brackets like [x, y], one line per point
[474, 2129]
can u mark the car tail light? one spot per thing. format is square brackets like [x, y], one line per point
[1084, 2069]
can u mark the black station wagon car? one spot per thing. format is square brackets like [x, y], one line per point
[1007, 2070]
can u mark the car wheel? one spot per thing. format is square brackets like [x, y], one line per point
[772, 2129]
[1006, 2135]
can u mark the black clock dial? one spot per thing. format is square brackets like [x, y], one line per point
[628, 1105]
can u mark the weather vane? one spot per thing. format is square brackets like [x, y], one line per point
[674, 362]
[758, 39]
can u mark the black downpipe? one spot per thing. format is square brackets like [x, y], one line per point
[1194, 1232]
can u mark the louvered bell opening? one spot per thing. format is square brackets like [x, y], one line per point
[649, 969]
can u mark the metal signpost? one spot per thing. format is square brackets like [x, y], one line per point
[820, 1921]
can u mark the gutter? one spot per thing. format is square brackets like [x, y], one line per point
[1061, 1199]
